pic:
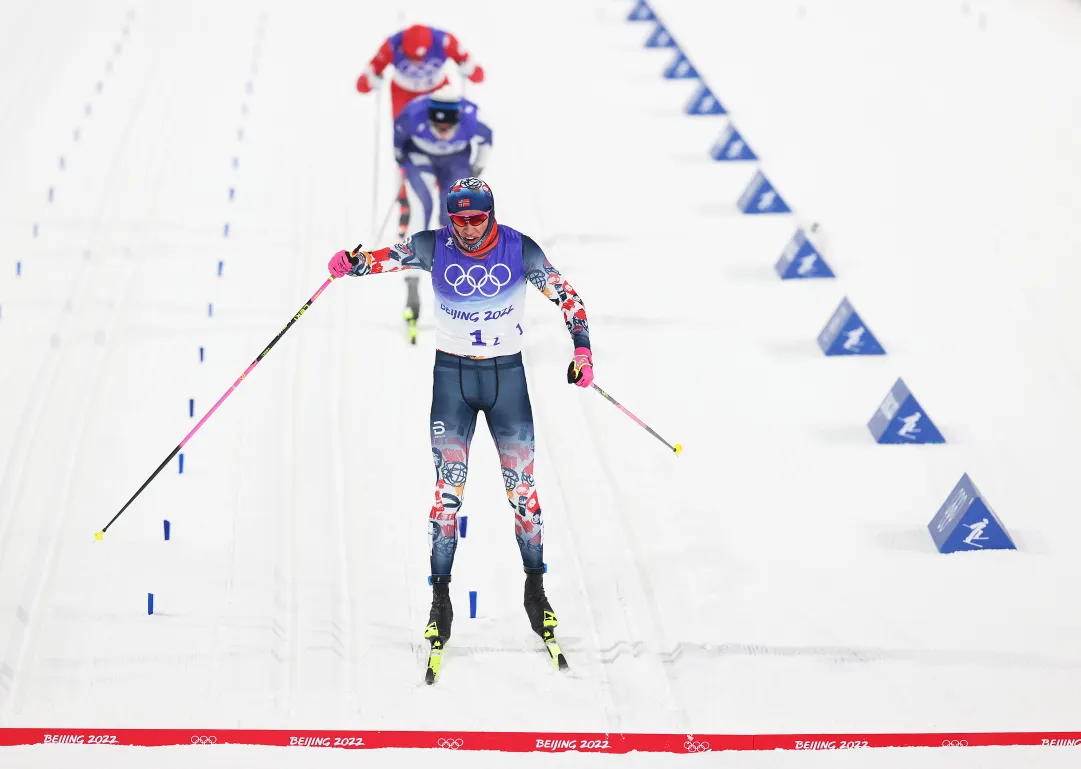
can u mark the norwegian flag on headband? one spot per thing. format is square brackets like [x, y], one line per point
[472, 193]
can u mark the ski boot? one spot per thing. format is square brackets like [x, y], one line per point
[412, 306]
[410, 316]
[439, 621]
[542, 618]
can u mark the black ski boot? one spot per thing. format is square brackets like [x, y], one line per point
[542, 618]
[540, 613]
[442, 613]
[412, 306]
[438, 630]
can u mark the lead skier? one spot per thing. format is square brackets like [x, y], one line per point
[479, 272]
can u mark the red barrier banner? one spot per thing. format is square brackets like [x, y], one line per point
[527, 742]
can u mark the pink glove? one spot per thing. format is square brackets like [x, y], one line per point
[580, 371]
[341, 263]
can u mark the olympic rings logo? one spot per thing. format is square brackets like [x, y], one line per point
[453, 744]
[476, 282]
[199, 739]
[955, 743]
[695, 747]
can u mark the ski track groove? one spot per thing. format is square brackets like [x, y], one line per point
[612, 717]
[342, 524]
[45, 576]
[28, 422]
[41, 579]
[630, 538]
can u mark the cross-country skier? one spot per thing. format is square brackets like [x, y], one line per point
[418, 55]
[438, 136]
[479, 273]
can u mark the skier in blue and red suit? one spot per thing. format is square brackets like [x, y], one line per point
[480, 270]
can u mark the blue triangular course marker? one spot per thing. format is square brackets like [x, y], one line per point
[681, 69]
[705, 103]
[966, 522]
[801, 259]
[731, 146]
[660, 38]
[847, 334]
[761, 198]
[901, 419]
[641, 12]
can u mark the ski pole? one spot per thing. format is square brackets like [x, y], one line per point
[386, 218]
[375, 151]
[263, 354]
[678, 448]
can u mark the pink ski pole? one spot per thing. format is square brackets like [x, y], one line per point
[248, 370]
[678, 448]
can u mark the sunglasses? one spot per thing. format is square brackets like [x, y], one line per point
[463, 219]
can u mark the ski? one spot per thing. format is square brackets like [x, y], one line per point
[435, 657]
[558, 658]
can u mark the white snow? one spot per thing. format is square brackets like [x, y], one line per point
[777, 577]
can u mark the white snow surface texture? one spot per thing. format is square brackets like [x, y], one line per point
[777, 577]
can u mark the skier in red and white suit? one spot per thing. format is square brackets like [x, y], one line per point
[418, 55]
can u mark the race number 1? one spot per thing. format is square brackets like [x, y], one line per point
[478, 340]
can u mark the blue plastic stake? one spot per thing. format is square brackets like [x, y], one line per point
[210, 310]
[236, 162]
[18, 269]
[472, 604]
[227, 229]
[221, 264]
[232, 193]
[200, 354]
[62, 164]
[181, 464]
[463, 521]
[191, 407]
[51, 189]
[167, 531]
[149, 603]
